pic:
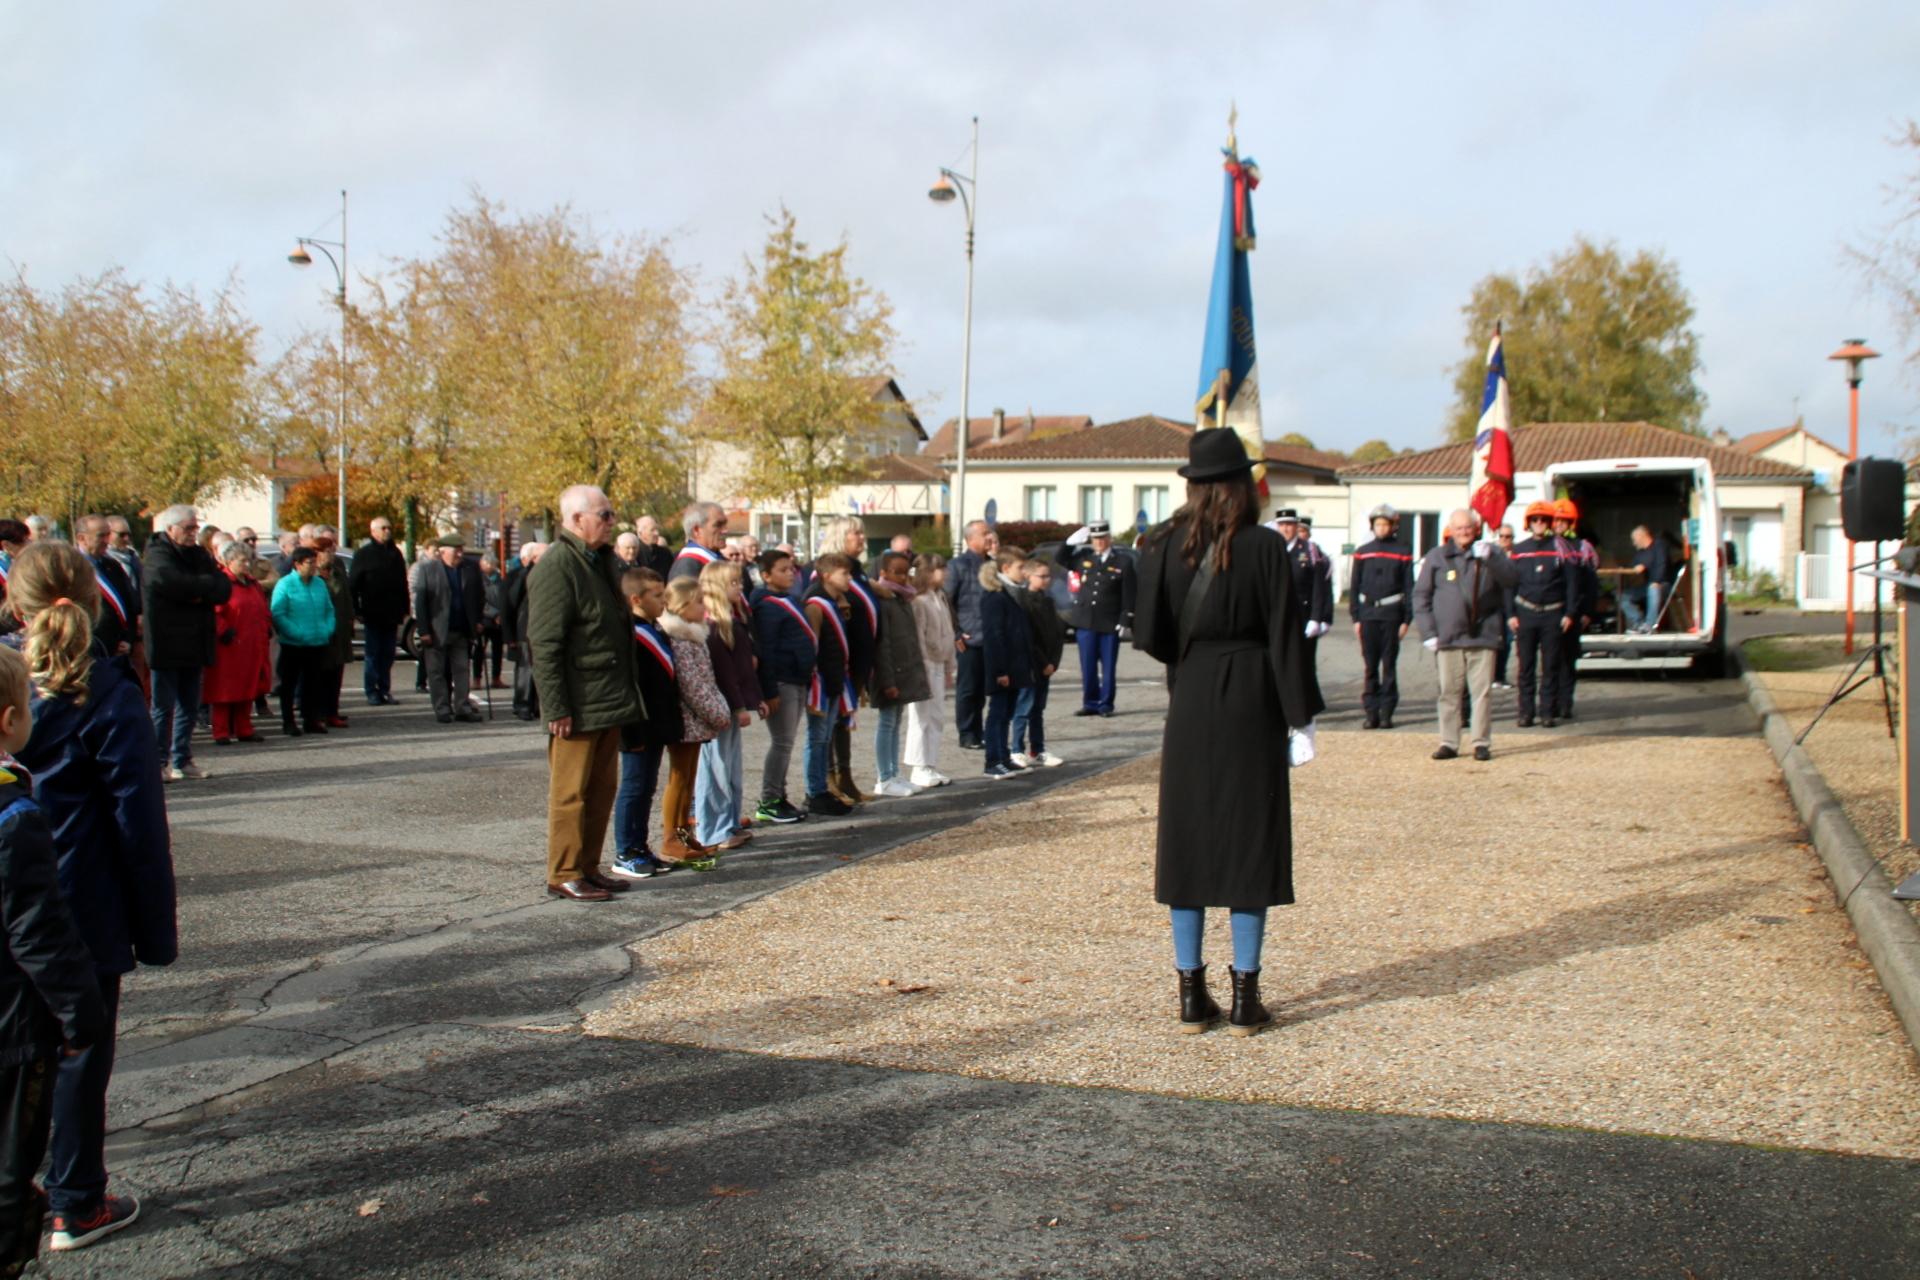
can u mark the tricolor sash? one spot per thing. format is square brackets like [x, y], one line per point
[662, 653]
[108, 594]
[694, 551]
[873, 609]
[816, 692]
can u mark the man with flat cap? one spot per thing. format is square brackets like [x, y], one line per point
[1102, 582]
[448, 598]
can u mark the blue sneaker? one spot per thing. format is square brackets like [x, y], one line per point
[640, 865]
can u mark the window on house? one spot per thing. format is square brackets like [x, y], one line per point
[1039, 501]
[1096, 502]
[1152, 499]
[1426, 531]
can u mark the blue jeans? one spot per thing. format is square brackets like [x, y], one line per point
[633, 802]
[376, 676]
[176, 705]
[721, 790]
[819, 749]
[1190, 926]
[887, 741]
[1638, 614]
[1030, 717]
[999, 719]
[77, 1171]
[1099, 653]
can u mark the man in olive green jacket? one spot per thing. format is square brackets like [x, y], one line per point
[583, 664]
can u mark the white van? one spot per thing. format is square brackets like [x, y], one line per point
[1676, 499]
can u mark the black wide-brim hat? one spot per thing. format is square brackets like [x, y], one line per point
[1215, 454]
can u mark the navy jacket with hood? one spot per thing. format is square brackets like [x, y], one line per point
[787, 652]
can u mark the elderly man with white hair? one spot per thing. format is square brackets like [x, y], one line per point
[1459, 604]
[581, 635]
[706, 528]
[182, 585]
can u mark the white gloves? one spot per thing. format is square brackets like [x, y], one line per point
[1126, 633]
[1078, 538]
[1300, 745]
[1432, 643]
[1317, 629]
[1480, 550]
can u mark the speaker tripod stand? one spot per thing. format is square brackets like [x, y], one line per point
[1852, 680]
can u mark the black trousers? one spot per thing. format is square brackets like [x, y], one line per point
[26, 1120]
[1569, 669]
[1380, 661]
[1538, 643]
[970, 693]
[489, 638]
[1500, 656]
[300, 674]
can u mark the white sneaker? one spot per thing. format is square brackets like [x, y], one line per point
[1048, 760]
[1021, 760]
[897, 788]
[926, 777]
[192, 772]
[170, 774]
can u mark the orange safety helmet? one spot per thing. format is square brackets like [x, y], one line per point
[1564, 509]
[1539, 511]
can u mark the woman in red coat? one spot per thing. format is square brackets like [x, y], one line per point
[241, 670]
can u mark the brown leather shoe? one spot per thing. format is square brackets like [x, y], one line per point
[738, 839]
[675, 849]
[579, 891]
[606, 882]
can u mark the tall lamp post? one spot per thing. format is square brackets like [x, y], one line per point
[1854, 351]
[949, 185]
[301, 258]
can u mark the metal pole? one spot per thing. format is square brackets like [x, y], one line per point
[341, 419]
[1853, 452]
[966, 357]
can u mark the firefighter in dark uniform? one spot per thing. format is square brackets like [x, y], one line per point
[1538, 609]
[1380, 601]
[1586, 568]
[1312, 576]
[1101, 580]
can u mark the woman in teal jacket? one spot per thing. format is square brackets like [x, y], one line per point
[303, 619]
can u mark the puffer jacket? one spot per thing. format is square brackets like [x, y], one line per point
[96, 775]
[1007, 639]
[897, 663]
[703, 708]
[787, 649]
[581, 633]
[48, 991]
[302, 611]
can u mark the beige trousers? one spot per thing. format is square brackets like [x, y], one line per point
[1469, 671]
[583, 775]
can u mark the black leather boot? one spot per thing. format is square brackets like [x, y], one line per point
[1386, 719]
[1248, 1015]
[1373, 719]
[1197, 1009]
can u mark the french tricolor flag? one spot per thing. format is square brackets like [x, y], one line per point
[1490, 487]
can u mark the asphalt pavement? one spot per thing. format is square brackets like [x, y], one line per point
[365, 1063]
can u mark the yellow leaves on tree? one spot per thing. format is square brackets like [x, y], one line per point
[114, 398]
[802, 340]
[1591, 337]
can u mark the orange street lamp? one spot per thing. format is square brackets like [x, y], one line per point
[1855, 352]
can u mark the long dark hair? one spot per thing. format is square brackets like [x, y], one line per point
[1215, 511]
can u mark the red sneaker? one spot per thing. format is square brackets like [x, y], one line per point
[114, 1213]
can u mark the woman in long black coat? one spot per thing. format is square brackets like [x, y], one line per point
[1240, 683]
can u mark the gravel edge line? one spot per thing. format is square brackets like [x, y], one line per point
[1888, 933]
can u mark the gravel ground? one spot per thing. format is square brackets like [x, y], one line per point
[1550, 946]
[1852, 750]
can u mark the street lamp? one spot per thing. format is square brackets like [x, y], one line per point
[948, 186]
[1854, 351]
[301, 258]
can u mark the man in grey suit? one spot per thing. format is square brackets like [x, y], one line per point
[448, 597]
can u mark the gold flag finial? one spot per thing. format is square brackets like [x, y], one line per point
[1233, 121]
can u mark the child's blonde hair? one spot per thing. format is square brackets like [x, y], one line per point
[718, 582]
[56, 590]
[15, 688]
[681, 590]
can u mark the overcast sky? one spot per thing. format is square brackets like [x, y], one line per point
[1407, 149]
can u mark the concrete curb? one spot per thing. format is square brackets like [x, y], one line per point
[1888, 933]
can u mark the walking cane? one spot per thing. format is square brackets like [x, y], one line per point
[477, 652]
